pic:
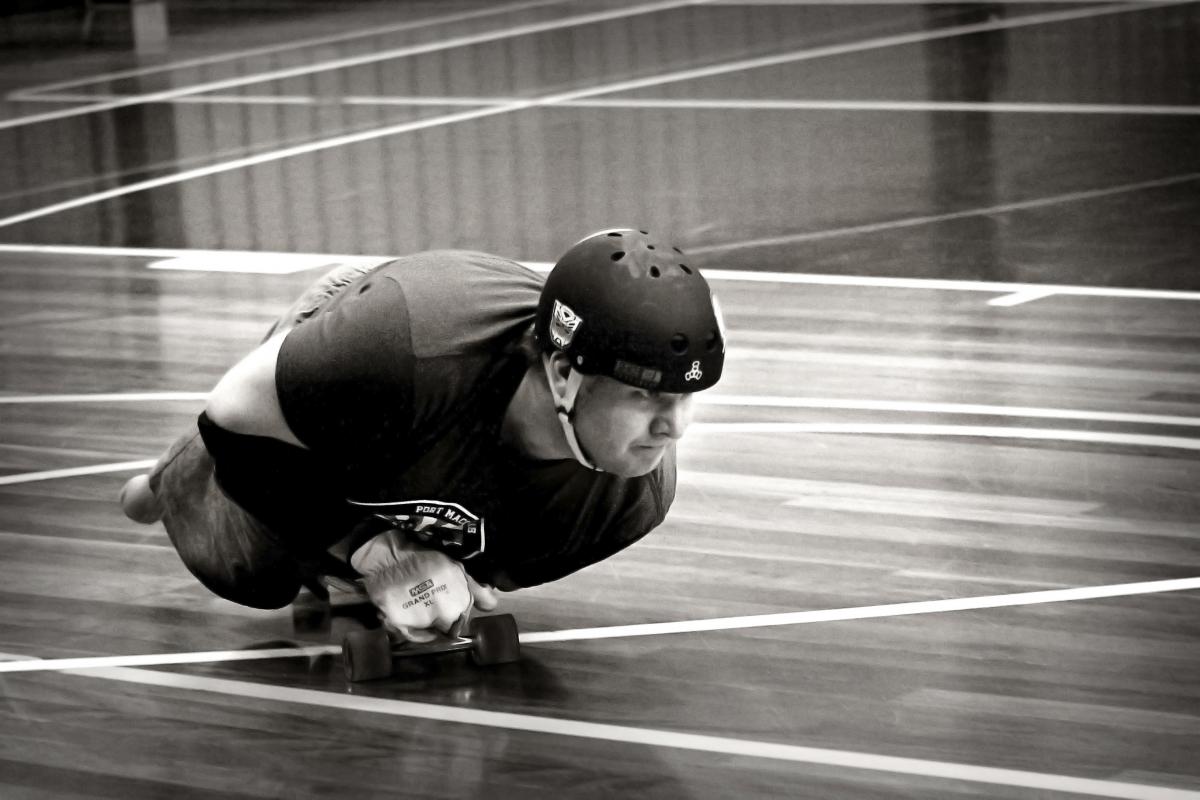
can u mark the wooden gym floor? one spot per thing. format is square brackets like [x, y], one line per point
[938, 530]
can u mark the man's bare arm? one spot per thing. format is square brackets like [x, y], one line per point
[245, 399]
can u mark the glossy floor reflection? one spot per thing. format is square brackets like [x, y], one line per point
[1032, 192]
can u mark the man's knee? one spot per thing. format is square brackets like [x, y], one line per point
[237, 558]
[265, 584]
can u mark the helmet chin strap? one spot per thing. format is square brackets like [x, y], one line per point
[564, 405]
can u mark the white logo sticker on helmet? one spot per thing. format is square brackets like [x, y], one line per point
[695, 373]
[563, 324]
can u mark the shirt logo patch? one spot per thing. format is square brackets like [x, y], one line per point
[563, 324]
[444, 526]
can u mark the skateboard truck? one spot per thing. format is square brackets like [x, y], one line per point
[367, 654]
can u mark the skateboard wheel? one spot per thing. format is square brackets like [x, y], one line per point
[367, 655]
[496, 640]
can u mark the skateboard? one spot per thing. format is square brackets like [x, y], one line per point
[368, 648]
[367, 654]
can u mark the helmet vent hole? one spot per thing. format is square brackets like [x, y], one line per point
[644, 233]
[649, 247]
[677, 250]
[654, 273]
[686, 268]
[616, 234]
[617, 256]
[679, 343]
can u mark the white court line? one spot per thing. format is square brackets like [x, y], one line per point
[74, 472]
[217, 99]
[979, 431]
[865, 612]
[111, 397]
[249, 264]
[578, 729]
[158, 659]
[890, 105]
[1020, 298]
[550, 100]
[746, 276]
[651, 103]
[903, 2]
[176, 252]
[940, 284]
[707, 398]
[658, 628]
[296, 44]
[362, 60]
[909, 222]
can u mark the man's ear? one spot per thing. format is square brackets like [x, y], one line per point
[559, 371]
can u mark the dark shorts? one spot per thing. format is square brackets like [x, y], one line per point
[233, 554]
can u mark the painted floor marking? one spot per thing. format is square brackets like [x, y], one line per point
[111, 397]
[75, 472]
[866, 612]
[550, 100]
[29, 93]
[362, 60]
[649, 103]
[744, 276]
[183, 253]
[993, 287]
[846, 759]
[900, 2]
[157, 660]
[980, 431]
[889, 105]
[909, 222]
[657, 628]
[1020, 298]
[251, 263]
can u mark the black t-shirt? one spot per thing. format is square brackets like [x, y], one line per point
[398, 386]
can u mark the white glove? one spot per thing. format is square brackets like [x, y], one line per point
[418, 590]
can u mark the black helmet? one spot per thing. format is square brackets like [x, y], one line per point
[621, 304]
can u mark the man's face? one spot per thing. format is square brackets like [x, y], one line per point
[626, 430]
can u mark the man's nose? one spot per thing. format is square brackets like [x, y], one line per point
[673, 416]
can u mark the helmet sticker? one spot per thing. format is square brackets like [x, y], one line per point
[695, 373]
[563, 324]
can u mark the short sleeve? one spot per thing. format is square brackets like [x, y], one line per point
[344, 376]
